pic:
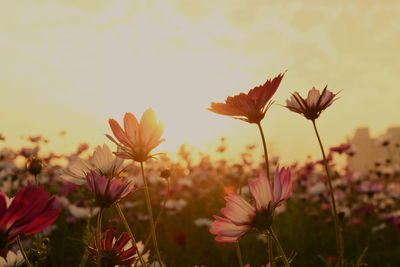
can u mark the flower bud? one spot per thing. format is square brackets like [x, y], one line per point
[34, 165]
[166, 173]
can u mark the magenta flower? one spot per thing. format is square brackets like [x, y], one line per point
[313, 105]
[114, 251]
[340, 148]
[137, 140]
[241, 216]
[108, 191]
[250, 107]
[31, 211]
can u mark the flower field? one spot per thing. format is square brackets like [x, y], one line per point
[129, 207]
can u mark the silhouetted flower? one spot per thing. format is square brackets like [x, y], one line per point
[108, 191]
[250, 107]
[114, 251]
[241, 216]
[137, 140]
[31, 211]
[313, 105]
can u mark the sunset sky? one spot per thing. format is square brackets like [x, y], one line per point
[72, 64]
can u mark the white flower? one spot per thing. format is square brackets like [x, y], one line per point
[316, 189]
[175, 206]
[203, 222]
[12, 259]
[103, 162]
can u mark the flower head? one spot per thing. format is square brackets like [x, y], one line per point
[313, 105]
[137, 140]
[250, 107]
[31, 211]
[241, 216]
[108, 191]
[103, 162]
[114, 251]
[12, 259]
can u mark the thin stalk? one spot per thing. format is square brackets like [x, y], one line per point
[86, 253]
[99, 249]
[159, 214]
[239, 254]
[270, 251]
[128, 229]
[265, 148]
[282, 252]
[339, 235]
[21, 247]
[150, 211]
[36, 180]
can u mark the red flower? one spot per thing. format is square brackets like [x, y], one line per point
[313, 105]
[250, 107]
[31, 211]
[108, 191]
[114, 252]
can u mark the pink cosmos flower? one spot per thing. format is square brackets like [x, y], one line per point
[241, 216]
[313, 105]
[340, 148]
[108, 191]
[137, 140]
[31, 211]
[250, 107]
[114, 251]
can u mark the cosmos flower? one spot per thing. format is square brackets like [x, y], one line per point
[137, 140]
[31, 211]
[12, 259]
[103, 162]
[108, 191]
[250, 107]
[114, 251]
[241, 216]
[340, 148]
[313, 105]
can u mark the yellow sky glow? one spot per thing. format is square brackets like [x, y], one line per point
[71, 65]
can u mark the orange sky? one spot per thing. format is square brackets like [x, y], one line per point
[71, 65]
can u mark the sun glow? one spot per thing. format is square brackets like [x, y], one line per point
[71, 65]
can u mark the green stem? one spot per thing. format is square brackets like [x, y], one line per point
[339, 235]
[270, 251]
[99, 241]
[282, 252]
[150, 211]
[265, 148]
[159, 214]
[128, 229]
[21, 247]
[239, 254]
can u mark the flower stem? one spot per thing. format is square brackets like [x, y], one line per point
[239, 254]
[159, 214]
[99, 249]
[338, 232]
[150, 211]
[128, 229]
[36, 180]
[86, 253]
[270, 251]
[265, 148]
[282, 252]
[21, 247]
